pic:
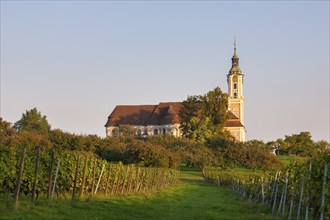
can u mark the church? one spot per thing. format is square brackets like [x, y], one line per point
[164, 117]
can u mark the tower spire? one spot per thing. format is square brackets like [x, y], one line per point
[235, 58]
[235, 46]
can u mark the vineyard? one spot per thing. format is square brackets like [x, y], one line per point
[301, 190]
[74, 174]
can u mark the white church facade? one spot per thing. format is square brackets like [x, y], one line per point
[164, 118]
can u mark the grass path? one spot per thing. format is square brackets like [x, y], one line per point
[192, 198]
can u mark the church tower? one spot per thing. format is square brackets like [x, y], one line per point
[235, 97]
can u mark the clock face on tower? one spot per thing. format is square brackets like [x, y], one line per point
[235, 78]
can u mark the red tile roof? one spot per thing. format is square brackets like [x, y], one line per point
[233, 123]
[162, 114]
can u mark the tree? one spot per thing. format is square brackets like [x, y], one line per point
[322, 146]
[6, 128]
[33, 121]
[204, 116]
[300, 144]
[259, 155]
[124, 131]
[200, 156]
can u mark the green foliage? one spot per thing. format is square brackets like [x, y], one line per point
[228, 177]
[259, 156]
[122, 176]
[201, 156]
[300, 145]
[33, 121]
[248, 183]
[204, 116]
[6, 129]
[124, 131]
[254, 154]
[138, 151]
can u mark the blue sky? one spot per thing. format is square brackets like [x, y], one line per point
[76, 60]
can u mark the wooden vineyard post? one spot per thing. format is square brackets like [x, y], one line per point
[114, 179]
[141, 180]
[18, 183]
[82, 188]
[98, 182]
[281, 200]
[292, 197]
[301, 195]
[108, 179]
[307, 199]
[137, 180]
[323, 192]
[57, 169]
[119, 179]
[262, 190]
[124, 181]
[163, 185]
[75, 179]
[285, 191]
[268, 189]
[154, 180]
[34, 189]
[273, 189]
[129, 181]
[52, 161]
[276, 183]
[93, 179]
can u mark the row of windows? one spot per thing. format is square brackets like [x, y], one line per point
[156, 131]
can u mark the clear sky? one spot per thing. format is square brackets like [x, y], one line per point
[76, 60]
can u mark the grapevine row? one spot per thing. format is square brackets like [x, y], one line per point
[59, 174]
[298, 191]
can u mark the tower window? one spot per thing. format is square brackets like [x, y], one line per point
[235, 94]
[235, 85]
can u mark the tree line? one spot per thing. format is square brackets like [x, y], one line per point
[205, 141]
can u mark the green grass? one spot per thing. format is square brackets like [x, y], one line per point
[192, 198]
[287, 159]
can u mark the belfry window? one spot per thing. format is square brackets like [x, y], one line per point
[235, 85]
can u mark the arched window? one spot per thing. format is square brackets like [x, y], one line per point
[235, 85]
[235, 94]
[155, 131]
